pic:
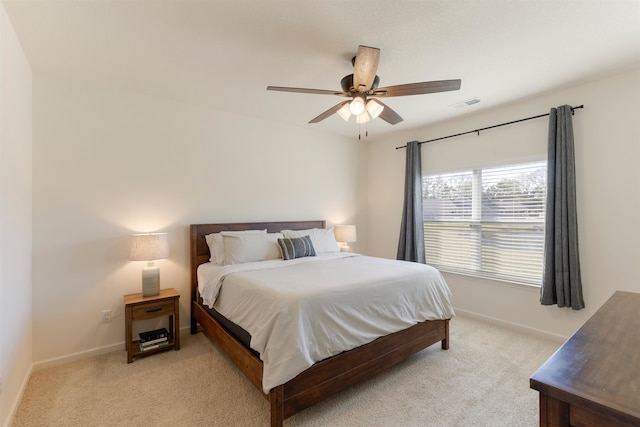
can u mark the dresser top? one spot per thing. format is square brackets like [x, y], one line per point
[600, 363]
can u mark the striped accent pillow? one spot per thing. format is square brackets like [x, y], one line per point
[297, 247]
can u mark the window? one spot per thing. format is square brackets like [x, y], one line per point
[487, 222]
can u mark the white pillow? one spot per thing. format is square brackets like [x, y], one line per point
[241, 248]
[323, 239]
[216, 244]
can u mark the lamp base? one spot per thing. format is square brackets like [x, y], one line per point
[344, 247]
[150, 281]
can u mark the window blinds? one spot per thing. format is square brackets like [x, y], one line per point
[487, 222]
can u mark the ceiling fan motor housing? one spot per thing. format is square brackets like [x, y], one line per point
[347, 84]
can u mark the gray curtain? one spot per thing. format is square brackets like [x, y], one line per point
[411, 244]
[561, 282]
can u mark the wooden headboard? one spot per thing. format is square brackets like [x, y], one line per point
[200, 250]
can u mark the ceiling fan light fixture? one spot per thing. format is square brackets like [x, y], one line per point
[374, 108]
[362, 118]
[344, 112]
[356, 106]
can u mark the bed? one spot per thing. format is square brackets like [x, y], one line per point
[323, 378]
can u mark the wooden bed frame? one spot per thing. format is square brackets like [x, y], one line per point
[325, 378]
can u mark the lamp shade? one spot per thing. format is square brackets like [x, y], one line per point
[345, 233]
[149, 246]
[374, 108]
[344, 112]
[356, 107]
[362, 118]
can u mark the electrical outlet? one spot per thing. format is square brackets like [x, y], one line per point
[106, 316]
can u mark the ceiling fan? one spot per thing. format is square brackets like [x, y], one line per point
[363, 92]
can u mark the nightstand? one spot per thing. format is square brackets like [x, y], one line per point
[138, 307]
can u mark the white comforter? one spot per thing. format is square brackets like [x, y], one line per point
[305, 310]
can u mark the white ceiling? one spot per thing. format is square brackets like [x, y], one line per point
[225, 53]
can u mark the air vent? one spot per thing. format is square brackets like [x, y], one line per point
[464, 104]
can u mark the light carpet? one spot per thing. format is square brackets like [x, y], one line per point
[482, 380]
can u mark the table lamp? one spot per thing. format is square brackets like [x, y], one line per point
[149, 247]
[345, 234]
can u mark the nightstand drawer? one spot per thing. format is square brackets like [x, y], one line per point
[160, 308]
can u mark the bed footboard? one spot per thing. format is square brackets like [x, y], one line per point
[333, 375]
[330, 376]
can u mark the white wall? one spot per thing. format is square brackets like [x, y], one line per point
[607, 139]
[15, 220]
[108, 163]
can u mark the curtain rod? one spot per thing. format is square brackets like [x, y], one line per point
[488, 127]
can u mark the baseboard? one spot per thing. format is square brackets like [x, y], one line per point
[61, 360]
[16, 402]
[511, 325]
[57, 361]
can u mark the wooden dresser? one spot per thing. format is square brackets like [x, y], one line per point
[594, 378]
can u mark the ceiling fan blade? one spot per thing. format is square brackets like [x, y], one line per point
[388, 115]
[329, 112]
[418, 88]
[365, 67]
[303, 90]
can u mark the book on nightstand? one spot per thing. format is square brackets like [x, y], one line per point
[147, 347]
[155, 336]
[153, 342]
